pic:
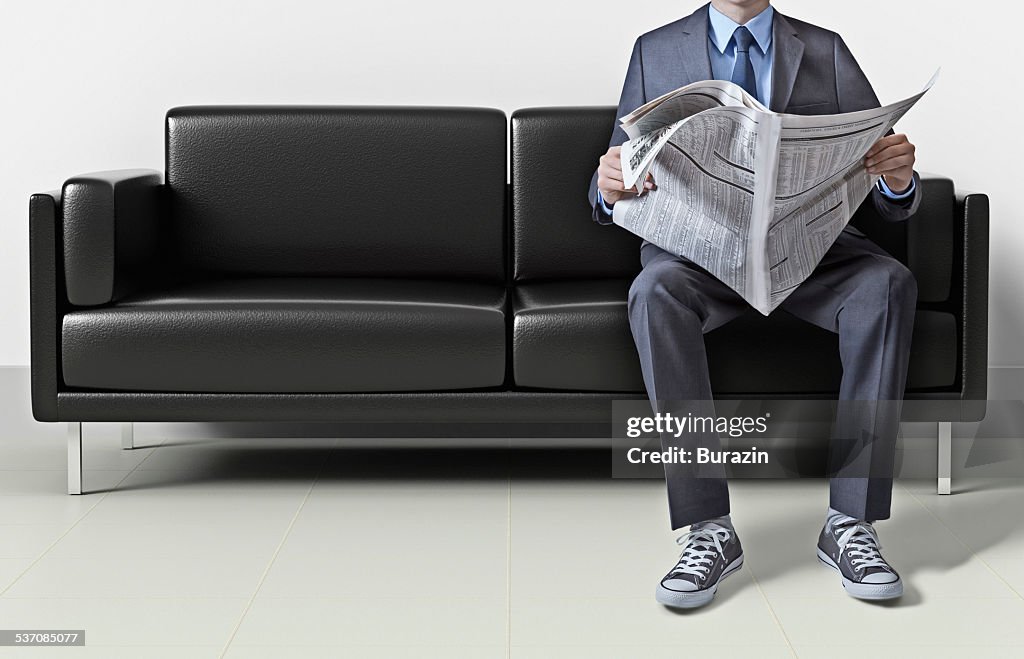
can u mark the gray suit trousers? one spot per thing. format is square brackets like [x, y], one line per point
[858, 291]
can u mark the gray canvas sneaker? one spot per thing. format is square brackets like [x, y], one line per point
[851, 548]
[711, 552]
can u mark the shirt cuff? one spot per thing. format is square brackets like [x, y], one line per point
[604, 207]
[892, 195]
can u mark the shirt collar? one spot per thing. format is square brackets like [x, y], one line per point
[722, 27]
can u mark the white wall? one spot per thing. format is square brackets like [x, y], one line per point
[85, 86]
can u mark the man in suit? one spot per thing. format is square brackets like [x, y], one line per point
[858, 291]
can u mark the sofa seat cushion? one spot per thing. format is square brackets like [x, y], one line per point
[292, 335]
[574, 335]
[782, 355]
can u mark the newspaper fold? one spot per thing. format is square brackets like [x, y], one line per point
[753, 196]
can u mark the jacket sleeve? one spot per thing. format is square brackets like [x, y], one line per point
[855, 93]
[631, 98]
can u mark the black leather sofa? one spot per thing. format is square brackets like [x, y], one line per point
[371, 267]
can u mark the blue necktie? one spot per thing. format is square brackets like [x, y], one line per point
[743, 71]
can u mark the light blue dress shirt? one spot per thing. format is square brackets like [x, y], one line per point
[722, 49]
[722, 52]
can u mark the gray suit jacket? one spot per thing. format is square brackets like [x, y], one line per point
[813, 73]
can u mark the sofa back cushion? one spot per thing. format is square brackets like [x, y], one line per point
[554, 155]
[338, 191]
[924, 243]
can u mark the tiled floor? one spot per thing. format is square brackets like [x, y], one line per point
[240, 549]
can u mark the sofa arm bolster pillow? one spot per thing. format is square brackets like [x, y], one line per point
[111, 233]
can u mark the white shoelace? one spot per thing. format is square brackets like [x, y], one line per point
[863, 544]
[700, 548]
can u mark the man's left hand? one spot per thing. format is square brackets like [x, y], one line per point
[892, 157]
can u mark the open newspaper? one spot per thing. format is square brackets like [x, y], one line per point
[753, 196]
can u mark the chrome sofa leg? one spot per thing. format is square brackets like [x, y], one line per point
[945, 457]
[75, 457]
[127, 435]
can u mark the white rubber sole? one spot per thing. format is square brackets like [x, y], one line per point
[694, 599]
[864, 591]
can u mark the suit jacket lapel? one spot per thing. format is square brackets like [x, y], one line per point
[789, 50]
[693, 46]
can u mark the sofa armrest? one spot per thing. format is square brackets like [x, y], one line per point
[972, 219]
[46, 300]
[111, 230]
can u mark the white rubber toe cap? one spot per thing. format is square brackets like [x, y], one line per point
[880, 577]
[680, 585]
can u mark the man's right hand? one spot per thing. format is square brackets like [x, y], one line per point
[609, 177]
